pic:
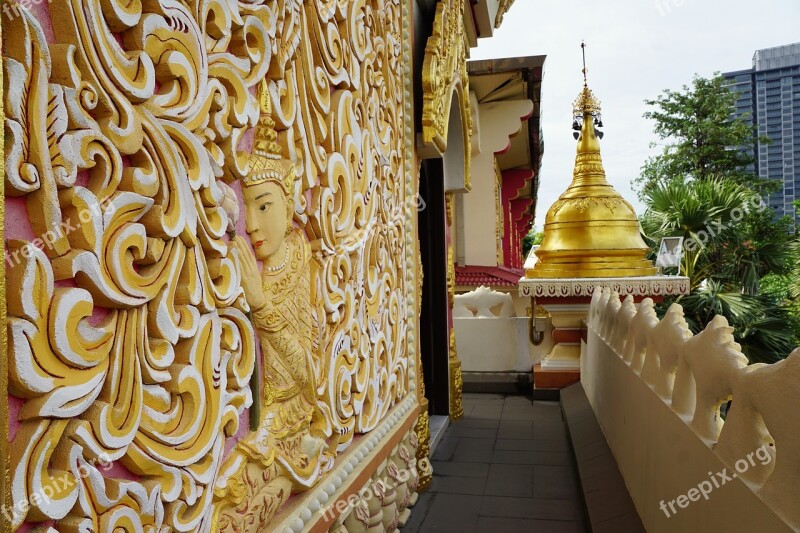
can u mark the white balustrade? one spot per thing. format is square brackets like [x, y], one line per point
[489, 338]
[694, 375]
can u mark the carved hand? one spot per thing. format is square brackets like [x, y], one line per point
[251, 277]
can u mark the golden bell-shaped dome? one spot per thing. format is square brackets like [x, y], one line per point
[590, 231]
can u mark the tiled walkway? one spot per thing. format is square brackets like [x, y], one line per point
[505, 467]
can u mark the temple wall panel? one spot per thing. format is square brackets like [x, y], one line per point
[168, 367]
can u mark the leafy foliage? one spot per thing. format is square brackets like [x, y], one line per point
[531, 239]
[702, 139]
[736, 254]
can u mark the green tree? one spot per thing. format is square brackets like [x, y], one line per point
[736, 253]
[528, 241]
[700, 137]
[724, 266]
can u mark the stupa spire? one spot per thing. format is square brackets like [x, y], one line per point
[590, 231]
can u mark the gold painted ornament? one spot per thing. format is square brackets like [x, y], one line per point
[456, 380]
[142, 356]
[445, 81]
[349, 320]
[590, 231]
[130, 340]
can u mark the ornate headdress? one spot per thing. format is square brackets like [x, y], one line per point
[266, 161]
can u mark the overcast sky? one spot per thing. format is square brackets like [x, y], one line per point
[634, 50]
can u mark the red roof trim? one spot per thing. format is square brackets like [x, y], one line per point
[475, 276]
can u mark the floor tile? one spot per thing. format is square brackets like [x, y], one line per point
[609, 499]
[473, 450]
[515, 444]
[516, 414]
[515, 429]
[481, 396]
[555, 482]
[452, 513]
[457, 430]
[510, 480]
[601, 464]
[629, 523]
[444, 451]
[491, 524]
[459, 485]
[548, 431]
[532, 445]
[590, 450]
[419, 512]
[476, 422]
[530, 508]
[492, 412]
[460, 469]
[524, 457]
[505, 467]
[522, 401]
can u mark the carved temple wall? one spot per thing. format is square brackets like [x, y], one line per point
[131, 346]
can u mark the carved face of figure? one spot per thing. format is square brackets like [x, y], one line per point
[267, 215]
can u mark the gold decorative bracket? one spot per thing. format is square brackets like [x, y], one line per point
[445, 80]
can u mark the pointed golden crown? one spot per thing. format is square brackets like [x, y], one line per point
[266, 161]
[591, 231]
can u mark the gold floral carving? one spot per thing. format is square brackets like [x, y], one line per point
[287, 451]
[423, 432]
[451, 275]
[5, 473]
[351, 171]
[340, 114]
[502, 9]
[420, 279]
[582, 204]
[456, 381]
[444, 79]
[422, 426]
[499, 213]
[128, 338]
[449, 199]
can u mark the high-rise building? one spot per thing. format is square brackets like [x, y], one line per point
[769, 93]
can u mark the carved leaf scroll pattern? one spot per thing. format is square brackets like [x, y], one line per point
[338, 86]
[128, 338]
[136, 347]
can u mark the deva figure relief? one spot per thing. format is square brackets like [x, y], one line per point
[135, 329]
[287, 451]
[284, 309]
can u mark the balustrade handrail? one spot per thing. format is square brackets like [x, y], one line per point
[696, 374]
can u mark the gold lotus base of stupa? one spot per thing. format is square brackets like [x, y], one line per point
[589, 267]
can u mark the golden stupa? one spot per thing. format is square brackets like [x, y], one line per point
[590, 231]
